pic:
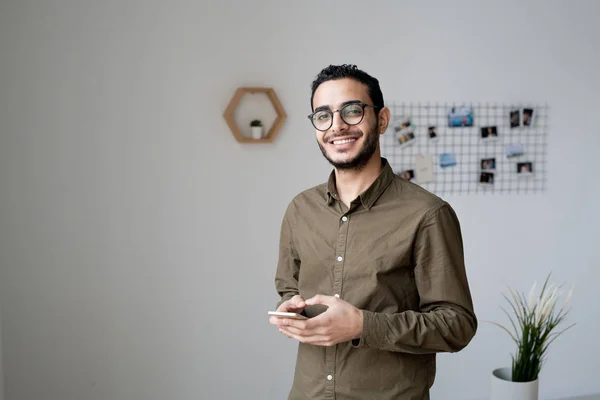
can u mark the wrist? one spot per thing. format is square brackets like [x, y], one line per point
[358, 324]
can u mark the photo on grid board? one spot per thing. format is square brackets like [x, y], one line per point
[488, 164]
[514, 150]
[409, 175]
[406, 139]
[405, 131]
[460, 116]
[527, 116]
[447, 160]
[486, 178]
[424, 168]
[515, 118]
[432, 133]
[489, 133]
[403, 125]
[525, 168]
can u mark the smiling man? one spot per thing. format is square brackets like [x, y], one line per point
[374, 261]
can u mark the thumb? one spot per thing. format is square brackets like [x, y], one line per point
[321, 299]
[298, 301]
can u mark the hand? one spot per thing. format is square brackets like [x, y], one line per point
[296, 304]
[341, 322]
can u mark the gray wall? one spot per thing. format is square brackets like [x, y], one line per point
[1, 372]
[139, 239]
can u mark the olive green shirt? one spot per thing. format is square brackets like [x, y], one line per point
[397, 255]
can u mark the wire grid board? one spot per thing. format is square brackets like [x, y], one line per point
[470, 148]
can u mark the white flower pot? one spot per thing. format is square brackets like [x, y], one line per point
[257, 132]
[503, 388]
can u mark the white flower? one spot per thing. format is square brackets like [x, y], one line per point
[549, 305]
[531, 298]
[545, 304]
[568, 300]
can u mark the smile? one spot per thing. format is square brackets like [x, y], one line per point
[343, 141]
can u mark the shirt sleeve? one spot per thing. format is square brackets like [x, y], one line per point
[445, 321]
[288, 265]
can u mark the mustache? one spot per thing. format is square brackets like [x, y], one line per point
[334, 136]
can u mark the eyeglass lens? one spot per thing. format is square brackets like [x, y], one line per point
[351, 114]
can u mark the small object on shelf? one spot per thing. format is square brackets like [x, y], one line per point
[257, 129]
[271, 133]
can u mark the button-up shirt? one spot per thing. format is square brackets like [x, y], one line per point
[397, 255]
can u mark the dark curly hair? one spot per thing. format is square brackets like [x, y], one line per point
[349, 71]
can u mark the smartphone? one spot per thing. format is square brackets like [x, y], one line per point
[287, 315]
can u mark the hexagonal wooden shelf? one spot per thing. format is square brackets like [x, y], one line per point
[272, 132]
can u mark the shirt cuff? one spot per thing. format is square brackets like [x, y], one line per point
[371, 332]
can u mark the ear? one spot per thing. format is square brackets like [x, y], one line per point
[383, 120]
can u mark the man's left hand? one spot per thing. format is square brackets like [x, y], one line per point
[341, 322]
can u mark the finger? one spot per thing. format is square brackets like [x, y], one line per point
[312, 339]
[321, 299]
[284, 333]
[324, 343]
[298, 301]
[317, 325]
[303, 332]
[296, 323]
[274, 320]
[285, 306]
[312, 325]
[295, 304]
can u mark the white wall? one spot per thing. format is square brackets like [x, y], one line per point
[139, 239]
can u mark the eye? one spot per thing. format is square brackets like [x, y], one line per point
[322, 116]
[353, 110]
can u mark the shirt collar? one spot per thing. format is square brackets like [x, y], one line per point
[369, 196]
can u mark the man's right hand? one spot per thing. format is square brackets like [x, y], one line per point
[296, 305]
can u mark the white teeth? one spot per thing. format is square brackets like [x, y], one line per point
[343, 141]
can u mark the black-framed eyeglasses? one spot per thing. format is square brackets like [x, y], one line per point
[351, 114]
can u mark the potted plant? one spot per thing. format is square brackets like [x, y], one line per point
[535, 326]
[257, 130]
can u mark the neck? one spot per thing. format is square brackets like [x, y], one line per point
[351, 183]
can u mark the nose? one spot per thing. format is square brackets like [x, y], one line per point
[338, 124]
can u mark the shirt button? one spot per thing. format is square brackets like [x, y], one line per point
[329, 377]
[340, 258]
[337, 295]
[344, 218]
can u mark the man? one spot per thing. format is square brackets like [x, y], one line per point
[375, 261]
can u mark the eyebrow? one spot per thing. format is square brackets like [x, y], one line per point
[323, 108]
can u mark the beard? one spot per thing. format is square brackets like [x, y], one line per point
[364, 155]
